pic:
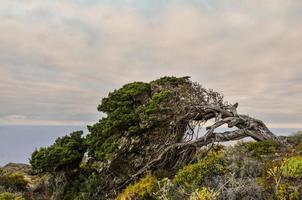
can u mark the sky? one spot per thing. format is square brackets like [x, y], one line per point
[58, 58]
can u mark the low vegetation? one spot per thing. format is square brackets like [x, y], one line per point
[250, 170]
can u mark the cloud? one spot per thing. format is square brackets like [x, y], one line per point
[58, 58]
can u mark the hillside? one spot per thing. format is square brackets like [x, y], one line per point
[252, 170]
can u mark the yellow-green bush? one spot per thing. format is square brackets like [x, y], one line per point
[286, 191]
[15, 181]
[299, 147]
[292, 167]
[204, 194]
[141, 190]
[10, 196]
[192, 176]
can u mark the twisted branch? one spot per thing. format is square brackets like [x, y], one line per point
[246, 127]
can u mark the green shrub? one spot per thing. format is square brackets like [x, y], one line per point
[192, 176]
[282, 176]
[258, 149]
[292, 167]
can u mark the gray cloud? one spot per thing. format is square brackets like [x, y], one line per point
[58, 58]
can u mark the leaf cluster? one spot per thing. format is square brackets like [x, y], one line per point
[129, 110]
[66, 153]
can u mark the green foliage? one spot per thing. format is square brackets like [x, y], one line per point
[10, 196]
[171, 80]
[152, 111]
[66, 153]
[14, 181]
[120, 107]
[258, 149]
[192, 176]
[123, 97]
[283, 178]
[141, 190]
[123, 108]
[292, 167]
[84, 187]
[157, 98]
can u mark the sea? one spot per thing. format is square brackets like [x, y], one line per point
[18, 142]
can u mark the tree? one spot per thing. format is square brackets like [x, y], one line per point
[156, 125]
[66, 153]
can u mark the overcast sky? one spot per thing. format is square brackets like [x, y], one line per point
[58, 58]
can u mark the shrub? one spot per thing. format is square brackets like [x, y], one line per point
[299, 148]
[292, 167]
[204, 194]
[295, 139]
[242, 164]
[192, 175]
[168, 191]
[141, 190]
[83, 188]
[14, 181]
[282, 176]
[10, 196]
[258, 149]
[17, 180]
[286, 191]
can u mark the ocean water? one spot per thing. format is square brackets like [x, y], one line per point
[18, 142]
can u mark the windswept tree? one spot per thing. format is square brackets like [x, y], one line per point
[157, 125]
[146, 127]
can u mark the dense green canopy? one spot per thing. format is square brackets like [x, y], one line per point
[66, 153]
[126, 109]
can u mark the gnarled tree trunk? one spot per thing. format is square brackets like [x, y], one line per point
[246, 126]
